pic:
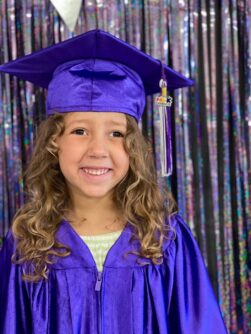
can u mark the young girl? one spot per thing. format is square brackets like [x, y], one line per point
[98, 248]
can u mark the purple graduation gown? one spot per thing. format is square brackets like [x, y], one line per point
[174, 297]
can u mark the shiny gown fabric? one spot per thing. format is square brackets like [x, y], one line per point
[127, 298]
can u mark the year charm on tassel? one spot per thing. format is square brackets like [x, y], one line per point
[164, 102]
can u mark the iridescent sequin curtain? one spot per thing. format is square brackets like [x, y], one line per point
[209, 41]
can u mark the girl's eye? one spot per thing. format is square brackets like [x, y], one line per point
[79, 131]
[117, 134]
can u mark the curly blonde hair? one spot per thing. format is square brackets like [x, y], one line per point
[138, 195]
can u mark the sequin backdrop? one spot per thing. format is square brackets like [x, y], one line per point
[208, 41]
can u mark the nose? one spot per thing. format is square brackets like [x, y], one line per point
[97, 147]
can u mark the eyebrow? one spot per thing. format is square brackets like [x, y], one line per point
[77, 121]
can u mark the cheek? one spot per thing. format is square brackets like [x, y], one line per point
[127, 160]
[70, 151]
[124, 159]
[68, 156]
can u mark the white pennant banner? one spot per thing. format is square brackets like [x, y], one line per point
[68, 10]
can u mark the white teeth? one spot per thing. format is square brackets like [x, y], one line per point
[95, 171]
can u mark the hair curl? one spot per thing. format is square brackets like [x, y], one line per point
[48, 200]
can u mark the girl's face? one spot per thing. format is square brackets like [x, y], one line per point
[91, 153]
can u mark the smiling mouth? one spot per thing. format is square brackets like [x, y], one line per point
[96, 171]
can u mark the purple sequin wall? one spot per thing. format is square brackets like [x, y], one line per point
[208, 41]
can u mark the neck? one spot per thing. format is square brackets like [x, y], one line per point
[94, 216]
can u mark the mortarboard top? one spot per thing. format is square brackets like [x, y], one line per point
[38, 67]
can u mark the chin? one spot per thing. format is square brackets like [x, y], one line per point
[96, 194]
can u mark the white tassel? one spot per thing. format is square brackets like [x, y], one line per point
[164, 103]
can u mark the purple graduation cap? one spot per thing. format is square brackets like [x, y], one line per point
[99, 72]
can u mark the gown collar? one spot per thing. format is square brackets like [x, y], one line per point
[81, 255]
[117, 257]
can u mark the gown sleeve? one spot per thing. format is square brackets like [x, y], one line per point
[193, 306]
[14, 302]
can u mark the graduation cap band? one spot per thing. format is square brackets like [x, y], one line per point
[96, 85]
